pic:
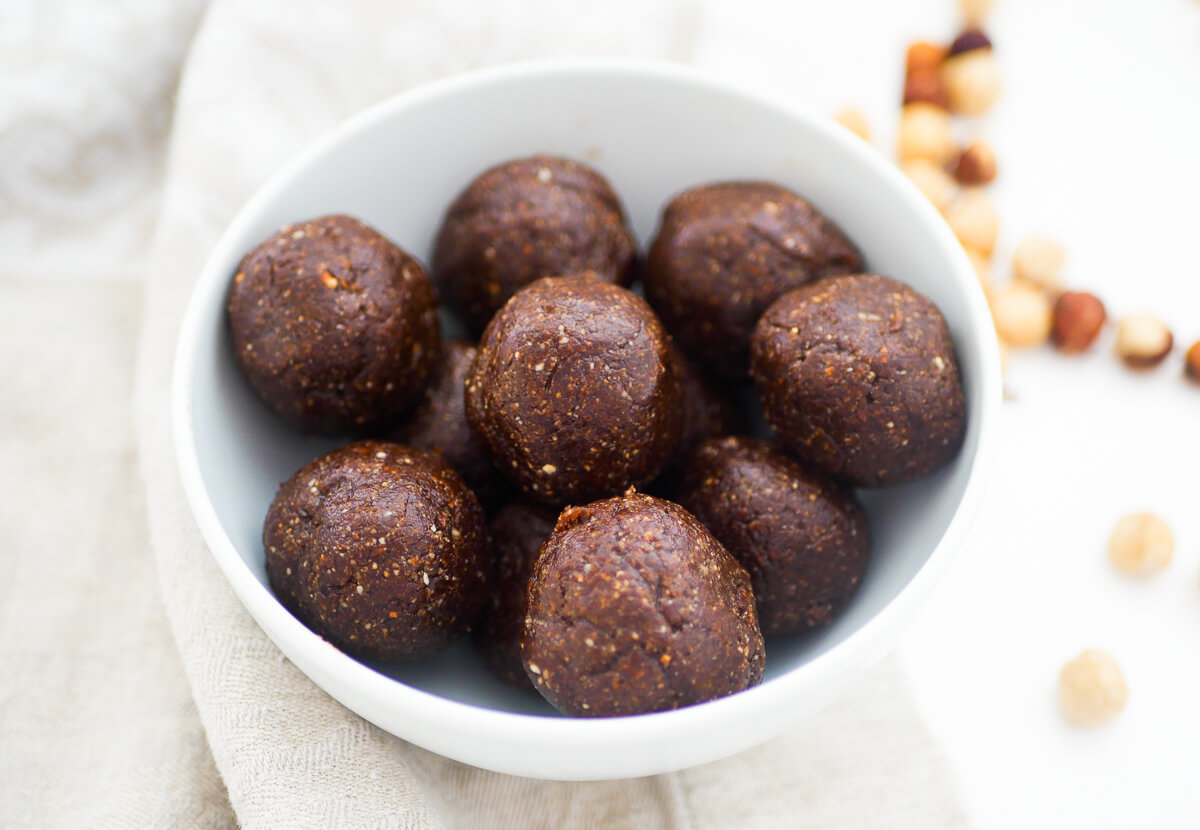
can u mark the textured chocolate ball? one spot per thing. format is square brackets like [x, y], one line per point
[634, 607]
[379, 548]
[523, 220]
[858, 375]
[723, 253]
[334, 326]
[801, 535]
[575, 391]
[439, 424]
[518, 531]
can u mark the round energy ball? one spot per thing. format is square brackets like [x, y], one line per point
[634, 607]
[518, 530]
[802, 536]
[575, 391]
[857, 375]
[334, 326]
[379, 548]
[439, 424]
[723, 253]
[525, 219]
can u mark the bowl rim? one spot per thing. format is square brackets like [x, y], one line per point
[862, 647]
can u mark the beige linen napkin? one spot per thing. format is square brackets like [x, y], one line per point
[80, 620]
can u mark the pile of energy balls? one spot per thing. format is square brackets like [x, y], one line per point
[580, 489]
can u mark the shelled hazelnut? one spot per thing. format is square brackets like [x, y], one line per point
[1143, 341]
[854, 121]
[976, 164]
[1141, 544]
[1191, 362]
[972, 217]
[1022, 315]
[925, 133]
[974, 11]
[972, 81]
[1078, 319]
[1091, 689]
[1039, 260]
[931, 180]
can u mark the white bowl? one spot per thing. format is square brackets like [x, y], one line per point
[653, 130]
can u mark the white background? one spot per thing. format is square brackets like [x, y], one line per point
[1098, 139]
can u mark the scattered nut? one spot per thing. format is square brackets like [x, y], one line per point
[926, 86]
[1143, 341]
[1141, 544]
[976, 164]
[1078, 319]
[1091, 689]
[973, 219]
[925, 133]
[1039, 260]
[931, 180]
[923, 56]
[974, 11]
[854, 121]
[1191, 362]
[969, 40]
[972, 81]
[1022, 315]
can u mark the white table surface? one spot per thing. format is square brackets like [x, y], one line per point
[1098, 140]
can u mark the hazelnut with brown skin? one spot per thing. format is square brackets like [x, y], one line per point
[1143, 341]
[923, 56]
[976, 164]
[1078, 319]
[969, 40]
[1191, 362]
[927, 87]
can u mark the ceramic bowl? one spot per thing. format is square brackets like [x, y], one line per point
[653, 130]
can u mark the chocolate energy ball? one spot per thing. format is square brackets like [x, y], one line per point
[379, 548]
[334, 326]
[525, 219]
[635, 607]
[724, 252]
[801, 535]
[518, 531]
[439, 423]
[857, 374]
[575, 391]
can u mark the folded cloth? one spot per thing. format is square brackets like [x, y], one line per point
[263, 78]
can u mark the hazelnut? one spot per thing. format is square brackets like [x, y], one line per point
[1091, 689]
[926, 86]
[854, 121]
[1141, 544]
[925, 133]
[931, 180]
[1143, 341]
[923, 56]
[968, 41]
[981, 264]
[1039, 260]
[1078, 319]
[976, 164]
[973, 219]
[972, 81]
[1191, 362]
[1022, 315]
[974, 11]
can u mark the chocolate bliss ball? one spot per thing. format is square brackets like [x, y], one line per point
[334, 326]
[575, 391]
[380, 549]
[858, 376]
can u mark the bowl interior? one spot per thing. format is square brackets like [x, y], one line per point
[652, 132]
